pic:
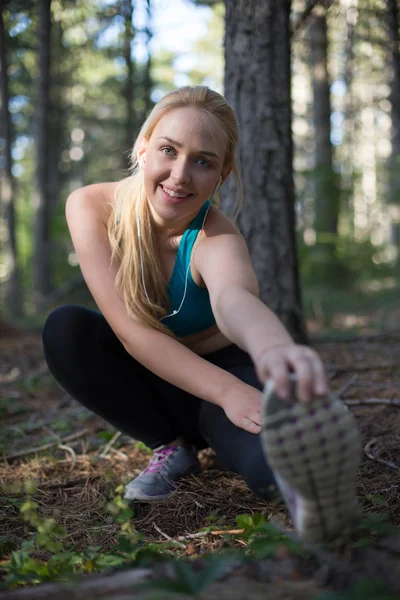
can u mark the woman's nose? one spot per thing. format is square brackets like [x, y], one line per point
[181, 171]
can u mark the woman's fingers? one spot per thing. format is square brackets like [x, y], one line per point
[278, 371]
[250, 426]
[320, 379]
[304, 374]
[304, 362]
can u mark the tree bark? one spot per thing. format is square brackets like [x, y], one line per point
[129, 34]
[41, 196]
[147, 79]
[394, 162]
[347, 175]
[257, 85]
[326, 184]
[12, 299]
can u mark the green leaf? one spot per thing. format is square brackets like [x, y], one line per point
[245, 521]
[142, 446]
[263, 547]
[211, 573]
[123, 515]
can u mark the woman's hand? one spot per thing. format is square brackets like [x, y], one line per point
[277, 362]
[242, 406]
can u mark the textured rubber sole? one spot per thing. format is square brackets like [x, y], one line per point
[314, 450]
[140, 496]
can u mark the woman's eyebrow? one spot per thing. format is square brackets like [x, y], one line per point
[175, 143]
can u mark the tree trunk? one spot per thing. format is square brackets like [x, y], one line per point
[257, 85]
[326, 185]
[42, 267]
[57, 116]
[394, 163]
[12, 299]
[147, 80]
[348, 150]
[127, 13]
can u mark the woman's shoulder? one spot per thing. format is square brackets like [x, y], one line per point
[217, 223]
[100, 197]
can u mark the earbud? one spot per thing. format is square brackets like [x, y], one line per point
[218, 184]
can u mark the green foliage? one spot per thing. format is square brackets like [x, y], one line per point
[186, 580]
[363, 590]
[63, 562]
[371, 527]
[142, 446]
[264, 539]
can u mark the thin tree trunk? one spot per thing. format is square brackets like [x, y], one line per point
[42, 267]
[394, 163]
[347, 178]
[127, 13]
[12, 300]
[326, 184]
[147, 80]
[257, 85]
[56, 116]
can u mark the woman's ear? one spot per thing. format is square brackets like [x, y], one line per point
[224, 175]
[142, 152]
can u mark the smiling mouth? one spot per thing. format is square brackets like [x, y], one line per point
[175, 194]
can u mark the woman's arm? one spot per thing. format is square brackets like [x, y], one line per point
[224, 263]
[159, 353]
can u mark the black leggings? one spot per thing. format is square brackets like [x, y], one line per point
[91, 364]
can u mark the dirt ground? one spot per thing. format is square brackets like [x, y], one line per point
[77, 460]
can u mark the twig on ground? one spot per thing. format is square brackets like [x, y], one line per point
[363, 367]
[368, 451]
[66, 484]
[21, 453]
[71, 452]
[358, 401]
[200, 534]
[352, 339]
[119, 453]
[377, 384]
[167, 537]
[108, 446]
[346, 386]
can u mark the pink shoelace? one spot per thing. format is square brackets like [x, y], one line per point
[158, 459]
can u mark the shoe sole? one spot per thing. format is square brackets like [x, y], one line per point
[138, 497]
[314, 451]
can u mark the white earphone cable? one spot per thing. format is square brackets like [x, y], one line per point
[174, 312]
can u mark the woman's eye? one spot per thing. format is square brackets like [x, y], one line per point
[167, 150]
[204, 162]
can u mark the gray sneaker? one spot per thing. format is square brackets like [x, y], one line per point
[167, 465]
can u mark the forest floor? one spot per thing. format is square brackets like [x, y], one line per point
[77, 461]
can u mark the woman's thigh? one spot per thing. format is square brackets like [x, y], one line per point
[91, 364]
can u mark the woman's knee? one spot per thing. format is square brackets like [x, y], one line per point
[63, 329]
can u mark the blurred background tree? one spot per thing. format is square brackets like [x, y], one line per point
[79, 77]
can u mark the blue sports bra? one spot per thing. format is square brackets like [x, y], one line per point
[190, 305]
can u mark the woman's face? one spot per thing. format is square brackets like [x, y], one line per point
[183, 162]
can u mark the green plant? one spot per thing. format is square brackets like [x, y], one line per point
[363, 590]
[264, 539]
[61, 561]
[186, 580]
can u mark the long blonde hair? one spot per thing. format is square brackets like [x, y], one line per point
[122, 224]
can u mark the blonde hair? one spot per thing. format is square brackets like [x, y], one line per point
[122, 224]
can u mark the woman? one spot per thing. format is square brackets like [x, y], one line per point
[180, 352]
